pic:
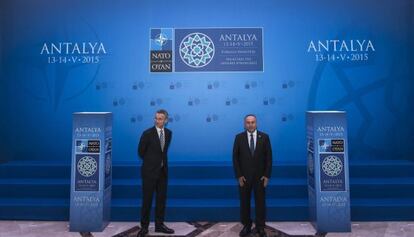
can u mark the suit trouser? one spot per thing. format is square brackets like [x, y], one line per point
[149, 186]
[256, 185]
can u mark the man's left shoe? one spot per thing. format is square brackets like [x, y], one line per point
[143, 232]
[261, 232]
[163, 229]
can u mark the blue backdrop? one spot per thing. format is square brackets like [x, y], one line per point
[303, 70]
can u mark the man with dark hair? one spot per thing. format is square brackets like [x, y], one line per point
[252, 162]
[153, 147]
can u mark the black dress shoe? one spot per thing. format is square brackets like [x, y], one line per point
[261, 232]
[245, 231]
[142, 232]
[163, 229]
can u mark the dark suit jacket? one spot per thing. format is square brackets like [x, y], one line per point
[149, 149]
[252, 167]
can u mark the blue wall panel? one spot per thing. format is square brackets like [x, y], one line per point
[38, 98]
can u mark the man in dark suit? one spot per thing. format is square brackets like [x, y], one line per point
[153, 148]
[252, 162]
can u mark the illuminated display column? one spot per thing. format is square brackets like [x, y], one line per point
[328, 175]
[91, 174]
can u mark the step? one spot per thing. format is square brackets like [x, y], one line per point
[129, 209]
[129, 188]
[132, 170]
[207, 188]
[198, 170]
[208, 209]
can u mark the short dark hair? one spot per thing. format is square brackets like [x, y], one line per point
[163, 111]
[248, 115]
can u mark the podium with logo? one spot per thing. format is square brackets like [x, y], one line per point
[91, 174]
[327, 169]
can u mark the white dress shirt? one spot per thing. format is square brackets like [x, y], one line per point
[159, 136]
[254, 138]
[159, 131]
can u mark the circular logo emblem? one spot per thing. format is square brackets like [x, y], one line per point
[197, 50]
[161, 39]
[87, 166]
[332, 166]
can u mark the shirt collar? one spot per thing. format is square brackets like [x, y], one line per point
[254, 133]
[159, 129]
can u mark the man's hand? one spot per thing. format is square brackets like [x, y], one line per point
[242, 180]
[265, 181]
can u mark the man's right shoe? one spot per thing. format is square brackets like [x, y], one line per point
[261, 232]
[142, 232]
[247, 229]
[163, 229]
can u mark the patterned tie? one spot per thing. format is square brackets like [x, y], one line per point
[251, 144]
[162, 139]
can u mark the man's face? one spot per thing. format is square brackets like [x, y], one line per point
[250, 123]
[160, 120]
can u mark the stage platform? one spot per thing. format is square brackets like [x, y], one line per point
[380, 191]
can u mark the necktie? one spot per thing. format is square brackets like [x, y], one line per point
[251, 144]
[162, 139]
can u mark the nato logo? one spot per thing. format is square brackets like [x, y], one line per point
[161, 50]
[324, 145]
[81, 146]
[196, 50]
[161, 39]
[334, 145]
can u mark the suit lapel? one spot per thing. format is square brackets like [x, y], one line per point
[246, 142]
[156, 137]
[258, 141]
[167, 138]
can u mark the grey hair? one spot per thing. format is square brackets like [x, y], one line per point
[163, 111]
